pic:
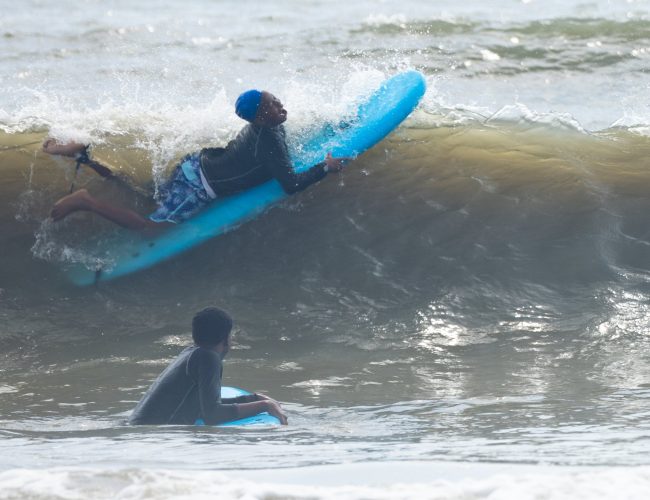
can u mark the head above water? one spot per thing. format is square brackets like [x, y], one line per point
[210, 327]
[260, 108]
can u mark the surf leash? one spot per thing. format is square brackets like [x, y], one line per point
[83, 159]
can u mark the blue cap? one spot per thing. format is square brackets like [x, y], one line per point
[247, 104]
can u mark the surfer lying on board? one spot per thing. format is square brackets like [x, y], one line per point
[189, 388]
[258, 154]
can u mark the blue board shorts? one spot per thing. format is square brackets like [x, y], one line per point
[183, 194]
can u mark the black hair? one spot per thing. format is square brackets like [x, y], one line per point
[210, 327]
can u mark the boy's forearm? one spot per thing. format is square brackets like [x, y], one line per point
[268, 405]
[248, 398]
[292, 182]
[251, 409]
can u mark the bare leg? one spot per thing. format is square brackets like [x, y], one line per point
[79, 152]
[77, 149]
[82, 200]
[70, 149]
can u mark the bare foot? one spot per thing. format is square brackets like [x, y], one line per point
[79, 200]
[71, 149]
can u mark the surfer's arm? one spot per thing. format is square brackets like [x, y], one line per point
[292, 181]
[249, 398]
[211, 409]
[267, 405]
[274, 154]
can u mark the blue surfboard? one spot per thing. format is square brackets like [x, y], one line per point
[376, 116]
[259, 419]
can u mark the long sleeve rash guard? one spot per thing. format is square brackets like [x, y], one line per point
[255, 156]
[187, 390]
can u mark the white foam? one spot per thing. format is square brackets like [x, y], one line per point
[520, 113]
[398, 20]
[381, 481]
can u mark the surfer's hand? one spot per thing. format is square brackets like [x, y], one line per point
[274, 409]
[335, 164]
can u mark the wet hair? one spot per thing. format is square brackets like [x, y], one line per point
[211, 326]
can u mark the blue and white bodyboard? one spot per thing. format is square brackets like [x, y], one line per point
[376, 117]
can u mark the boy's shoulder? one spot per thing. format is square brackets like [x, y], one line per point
[199, 361]
[199, 353]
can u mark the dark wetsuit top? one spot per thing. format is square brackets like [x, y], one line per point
[188, 389]
[255, 156]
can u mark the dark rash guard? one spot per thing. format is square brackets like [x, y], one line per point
[187, 390]
[255, 156]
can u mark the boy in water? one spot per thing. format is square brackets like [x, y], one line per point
[258, 154]
[189, 389]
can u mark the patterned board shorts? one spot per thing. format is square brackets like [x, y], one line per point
[183, 194]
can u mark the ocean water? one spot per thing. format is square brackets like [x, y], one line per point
[462, 313]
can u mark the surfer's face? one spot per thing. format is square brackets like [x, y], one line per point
[271, 111]
[223, 347]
